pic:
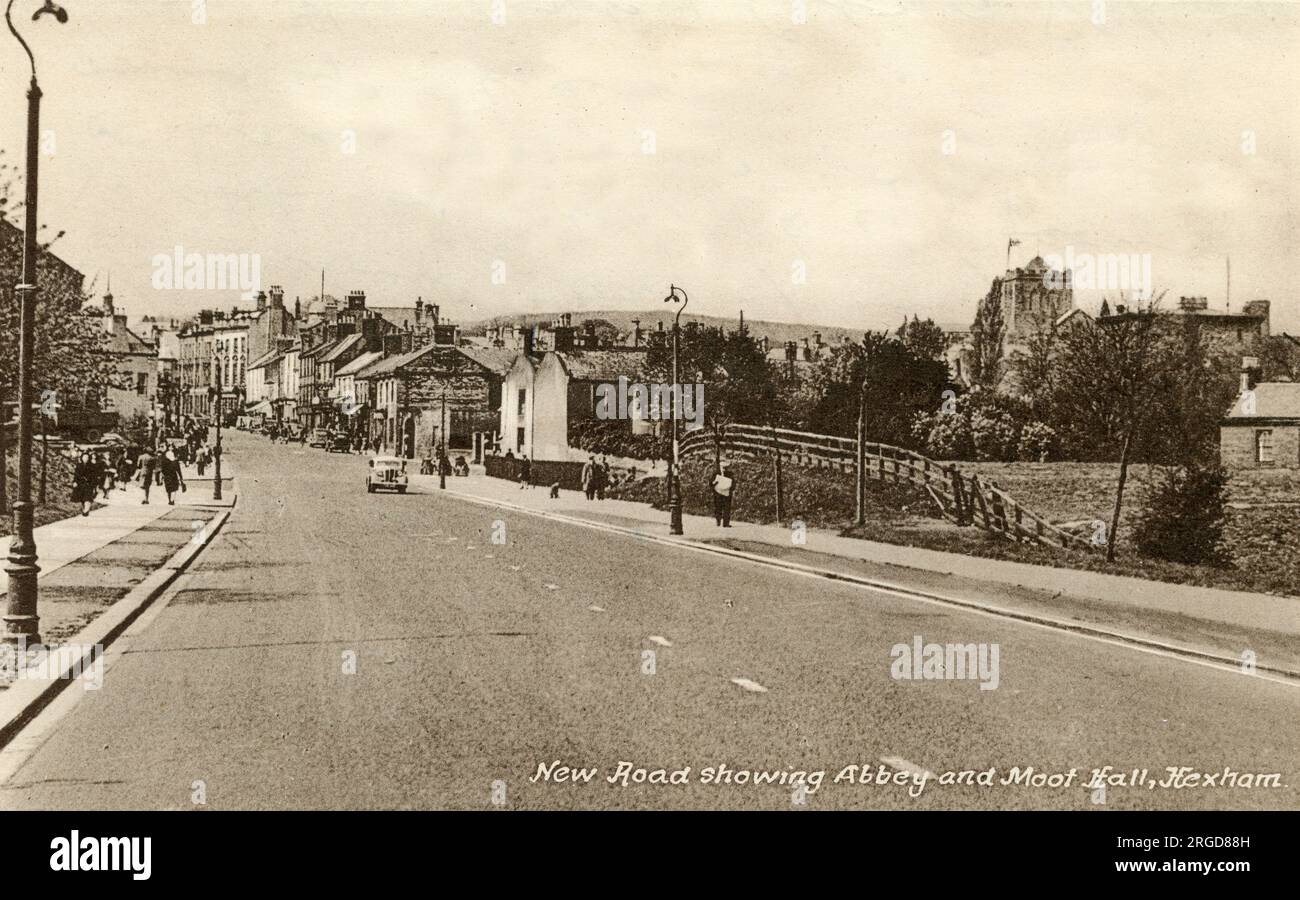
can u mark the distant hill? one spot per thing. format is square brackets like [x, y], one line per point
[776, 332]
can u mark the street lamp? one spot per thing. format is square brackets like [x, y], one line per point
[674, 464]
[216, 452]
[22, 624]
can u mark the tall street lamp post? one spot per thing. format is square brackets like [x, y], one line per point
[216, 453]
[22, 624]
[674, 393]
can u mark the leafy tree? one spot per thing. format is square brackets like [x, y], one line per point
[739, 383]
[71, 357]
[924, 338]
[604, 329]
[988, 334]
[1117, 370]
[898, 385]
[1280, 358]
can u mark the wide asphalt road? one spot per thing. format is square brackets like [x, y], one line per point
[337, 649]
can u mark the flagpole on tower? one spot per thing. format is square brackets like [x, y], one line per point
[1011, 242]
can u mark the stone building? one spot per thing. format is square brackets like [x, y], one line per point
[135, 388]
[1262, 430]
[441, 392]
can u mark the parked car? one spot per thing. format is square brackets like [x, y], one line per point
[339, 443]
[320, 437]
[386, 473]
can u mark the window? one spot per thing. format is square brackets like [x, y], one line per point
[519, 438]
[141, 381]
[523, 400]
[1264, 446]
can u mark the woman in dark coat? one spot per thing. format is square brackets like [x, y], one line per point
[85, 481]
[171, 476]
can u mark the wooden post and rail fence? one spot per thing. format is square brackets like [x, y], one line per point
[963, 499]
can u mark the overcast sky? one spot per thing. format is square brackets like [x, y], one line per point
[885, 152]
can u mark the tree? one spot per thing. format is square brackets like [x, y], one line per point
[1115, 371]
[739, 383]
[898, 384]
[988, 337]
[1280, 358]
[71, 357]
[924, 338]
[605, 330]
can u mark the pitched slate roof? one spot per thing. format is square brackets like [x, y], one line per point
[361, 362]
[494, 359]
[1273, 400]
[265, 359]
[601, 365]
[341, 346]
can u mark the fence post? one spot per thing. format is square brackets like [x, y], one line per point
[776, 463]
[860, 476]
[958, 506]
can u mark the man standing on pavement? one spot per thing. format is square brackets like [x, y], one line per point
[723, 488]
[589, 475]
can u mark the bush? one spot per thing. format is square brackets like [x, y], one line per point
[614, 437]
[984, 426]
[1184, 518]
[945, 435]
[995, 433]
[1037, 442]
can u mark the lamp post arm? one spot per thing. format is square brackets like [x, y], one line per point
[14, 31]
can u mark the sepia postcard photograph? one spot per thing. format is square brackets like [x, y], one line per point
[424, 411]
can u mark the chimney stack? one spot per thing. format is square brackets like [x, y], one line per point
[530, 336]
[261, 300]
[419, 311]
[356, 300]
[636, 332]
[277, 297]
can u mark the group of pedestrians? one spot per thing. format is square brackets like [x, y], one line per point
[595, 478]
[98, 473]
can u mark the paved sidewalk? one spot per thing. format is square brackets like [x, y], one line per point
[1236, 609]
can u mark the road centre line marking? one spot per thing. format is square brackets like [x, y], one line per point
[749, 685]
[661, 641]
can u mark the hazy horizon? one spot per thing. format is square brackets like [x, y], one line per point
[886, 152]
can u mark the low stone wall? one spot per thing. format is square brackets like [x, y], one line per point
[544, 471]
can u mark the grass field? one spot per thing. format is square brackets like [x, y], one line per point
[1262, 531]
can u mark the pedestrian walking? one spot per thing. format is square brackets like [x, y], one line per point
[201, 460]
[147, 463]
[171, 476]
[602, 477]
[724, 486]
[83, 482]
[525, 472]
[126, 470]
[589, 475]
[107, 474]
